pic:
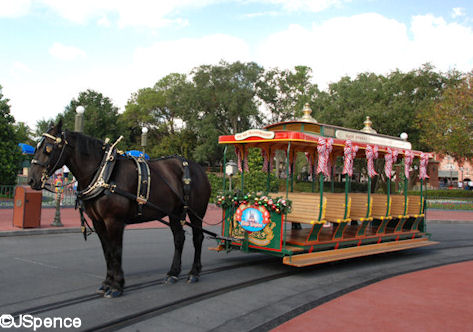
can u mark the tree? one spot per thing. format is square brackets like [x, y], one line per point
[100, 116]
[222, 101]
[23, 133]
[447, 124]
[284, 92]
[392, 102]
[9, 151]
[162, 110]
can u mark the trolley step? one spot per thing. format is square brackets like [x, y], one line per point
[352, 252]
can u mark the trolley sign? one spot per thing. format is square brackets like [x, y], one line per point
[252, 218]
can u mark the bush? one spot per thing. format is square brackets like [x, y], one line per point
[216, 182]
[257, 181]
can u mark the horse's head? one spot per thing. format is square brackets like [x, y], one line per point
[48, 157]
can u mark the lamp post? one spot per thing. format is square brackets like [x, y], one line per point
[79, 123]
[144, 140]
[230, 169]
[58, 184]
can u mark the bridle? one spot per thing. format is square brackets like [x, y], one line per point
[59, 142]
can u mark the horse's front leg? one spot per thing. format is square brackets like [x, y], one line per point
[101, 231]
[115, 230]
[179, 238]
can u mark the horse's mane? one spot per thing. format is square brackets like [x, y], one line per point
[85, 145]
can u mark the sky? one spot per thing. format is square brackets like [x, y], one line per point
[51, 50]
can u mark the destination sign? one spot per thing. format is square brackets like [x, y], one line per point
[371, 139]
[254, 133]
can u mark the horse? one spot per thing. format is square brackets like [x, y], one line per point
[111, 212]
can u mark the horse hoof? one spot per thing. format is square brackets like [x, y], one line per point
[102, 289]
[192, 279]
[171, 279]
[112, 293]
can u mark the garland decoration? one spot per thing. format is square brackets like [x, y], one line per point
[391, 158]
[229, 199]
[371, 154]
[424, 161]
[349, 152]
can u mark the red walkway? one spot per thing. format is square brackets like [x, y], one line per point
[439, 299]
[70, 219]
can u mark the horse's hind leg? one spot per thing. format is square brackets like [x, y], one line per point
[197, 238]
[179, 238]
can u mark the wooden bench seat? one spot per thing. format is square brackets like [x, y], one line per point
[305, 207]
[335, 208]
[415, 212]
[360, 213]
[414, 206]
[397, 206]
[359, 207]
[379, 206]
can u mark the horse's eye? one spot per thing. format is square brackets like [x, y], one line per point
[48, 148]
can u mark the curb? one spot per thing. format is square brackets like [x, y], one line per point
[449, 221]
[40, 231]
[60, 230]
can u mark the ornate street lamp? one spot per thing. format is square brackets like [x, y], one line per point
[79, 124]
[144, 140]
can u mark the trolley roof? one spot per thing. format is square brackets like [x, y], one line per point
[305, 135]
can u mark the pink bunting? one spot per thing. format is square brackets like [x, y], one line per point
[349, 155]
[324, 149]
[264, 154]
[310, 162]
[239, 152]
[371, 155]
[408, 159]
[390, 159]
[424, 161]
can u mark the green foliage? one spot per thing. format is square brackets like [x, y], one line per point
[235, 198]
[221, 102]
[447, 124]
[100, 115]
[10, 155]
[256, 181]
[23, 133]
[391, 101]
[284, 92]
[216, 183]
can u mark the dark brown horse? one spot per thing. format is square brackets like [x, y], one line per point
[111, 212]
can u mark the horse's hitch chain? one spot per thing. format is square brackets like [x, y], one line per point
[225, 238]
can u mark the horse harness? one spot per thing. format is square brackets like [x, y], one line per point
[101, 183]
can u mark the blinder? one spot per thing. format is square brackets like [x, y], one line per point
[49, 148]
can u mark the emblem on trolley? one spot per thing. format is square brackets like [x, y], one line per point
[256, 221]
[252, 218]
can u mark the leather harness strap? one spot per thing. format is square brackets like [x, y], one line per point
[144, 183]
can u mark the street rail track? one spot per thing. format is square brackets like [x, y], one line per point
[35, 310]
[155, 311]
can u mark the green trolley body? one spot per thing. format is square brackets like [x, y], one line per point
[307, 228]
